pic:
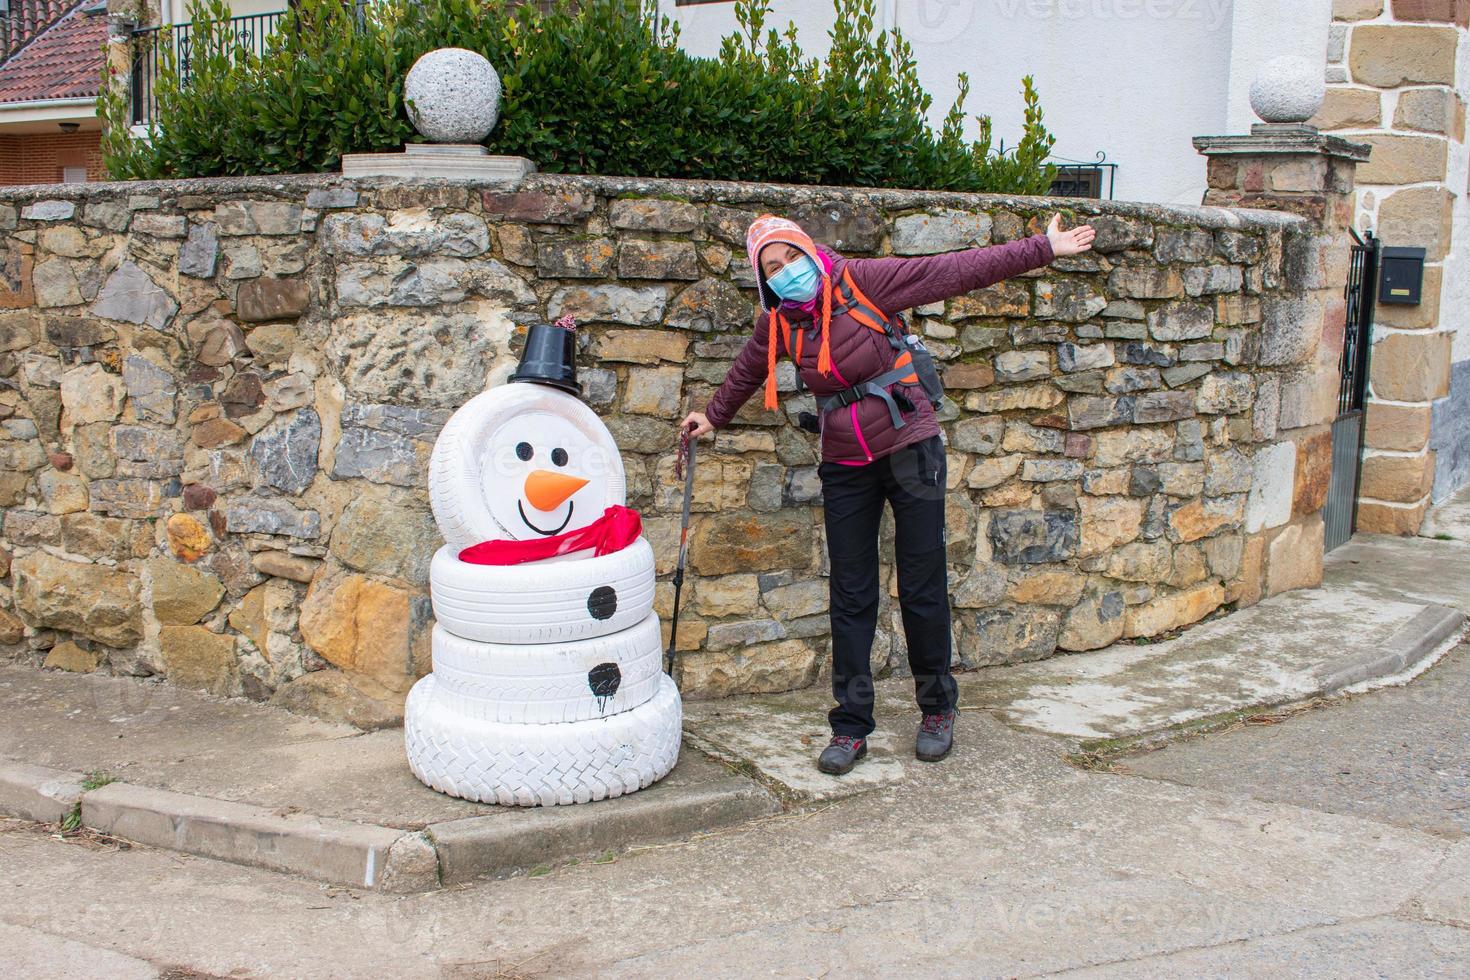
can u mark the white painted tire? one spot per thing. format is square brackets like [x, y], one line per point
[542, 602]
[541, 765]
[548, 683]
[469, 483]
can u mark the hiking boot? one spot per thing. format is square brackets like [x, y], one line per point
[841, 754]
[935, 738]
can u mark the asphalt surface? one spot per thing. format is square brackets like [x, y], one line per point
[1400, 755]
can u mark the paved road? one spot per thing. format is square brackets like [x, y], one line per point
[1250, 853]
[1400, 755]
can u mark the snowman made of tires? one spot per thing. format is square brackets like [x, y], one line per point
[547, 684]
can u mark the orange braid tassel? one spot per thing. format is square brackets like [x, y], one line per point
[824, 356]
[771, 401]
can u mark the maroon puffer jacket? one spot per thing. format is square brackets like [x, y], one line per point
[864, 431]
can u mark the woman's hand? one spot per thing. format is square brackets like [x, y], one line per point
[1073, 242]
[701, 424]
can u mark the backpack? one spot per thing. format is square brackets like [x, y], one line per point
[912, 361]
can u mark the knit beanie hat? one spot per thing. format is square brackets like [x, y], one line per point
[765, 230]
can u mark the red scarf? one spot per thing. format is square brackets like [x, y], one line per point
[617, 528]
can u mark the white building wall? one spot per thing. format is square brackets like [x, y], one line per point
[1136, 79]
[1265, 29]
[1450, 438]
[1455, 299]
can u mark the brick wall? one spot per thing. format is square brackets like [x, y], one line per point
[218, 397]
[38, 158]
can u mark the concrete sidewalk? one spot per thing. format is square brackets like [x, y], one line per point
[251, 784]
[1388, 608]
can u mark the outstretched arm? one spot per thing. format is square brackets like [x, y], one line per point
[746, 375]
[898, 283]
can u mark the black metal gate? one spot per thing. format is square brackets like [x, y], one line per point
[1341, 512]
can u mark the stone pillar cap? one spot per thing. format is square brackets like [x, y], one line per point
[1283, 138]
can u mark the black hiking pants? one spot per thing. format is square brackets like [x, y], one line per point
[912, 481]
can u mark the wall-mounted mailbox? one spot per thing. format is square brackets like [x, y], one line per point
[1402, 279]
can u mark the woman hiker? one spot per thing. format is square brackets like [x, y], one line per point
[880, 441]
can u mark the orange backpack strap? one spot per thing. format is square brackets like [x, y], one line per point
[912, 362]
[852, 302]
[905, 359]
[794, 351]
[785, 330]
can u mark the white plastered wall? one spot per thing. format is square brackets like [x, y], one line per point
[1455, 300]
[1136, 79]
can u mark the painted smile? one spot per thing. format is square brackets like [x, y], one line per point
[557, 530]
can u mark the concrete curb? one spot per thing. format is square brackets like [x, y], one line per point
[366, 855]
[1414, 641]
[38, 793]
[319, 847]
[470, 846]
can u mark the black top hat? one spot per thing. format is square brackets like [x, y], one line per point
[550, 358]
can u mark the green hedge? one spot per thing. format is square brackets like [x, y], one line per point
[603, 88]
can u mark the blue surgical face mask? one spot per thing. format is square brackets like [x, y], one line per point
[797, 280]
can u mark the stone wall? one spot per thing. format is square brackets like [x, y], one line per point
[1396, 82]
[218, 399]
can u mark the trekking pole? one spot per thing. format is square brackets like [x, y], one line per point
[686, 452]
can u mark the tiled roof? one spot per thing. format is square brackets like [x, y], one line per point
[62, 62]
[25, 19]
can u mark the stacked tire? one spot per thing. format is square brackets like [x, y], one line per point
[548, 685]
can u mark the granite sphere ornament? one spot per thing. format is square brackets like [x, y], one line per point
[453, 96]
[1289, 89]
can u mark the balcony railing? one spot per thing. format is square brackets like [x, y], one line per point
[151, 44]
[1077, 178]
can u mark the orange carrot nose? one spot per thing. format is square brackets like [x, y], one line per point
[547, 490]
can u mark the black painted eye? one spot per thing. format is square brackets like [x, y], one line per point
[523, 450]
[603, 602]
[559, 457]
[604, 680]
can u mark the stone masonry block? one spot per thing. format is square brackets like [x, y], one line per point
[1404, 160]
[1350, 108]
[849, 226]
[1309, 397]
[1313, 473]
[1382, 518]
[1399, 479]
[1295, 559]
[537, 207]
[1272, 488]
[1390, 56]
[1351, 10]
[1171, 612]
[1290, 330]
[1401, 428]
[261, 300]
[654, 215]
[1411, 367]
[1300, 175]
[1421, 215]
[1437, 11]
[1431, 110]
